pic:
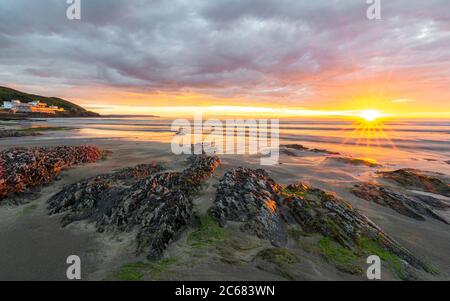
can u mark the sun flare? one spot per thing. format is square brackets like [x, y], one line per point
[369, 129]
[370, 115]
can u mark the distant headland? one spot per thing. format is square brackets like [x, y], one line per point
[17, 105]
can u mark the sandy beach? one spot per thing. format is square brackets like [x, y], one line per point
[34, 245]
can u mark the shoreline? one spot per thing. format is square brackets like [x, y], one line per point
[24, 116]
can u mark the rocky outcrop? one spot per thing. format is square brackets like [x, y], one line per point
[158, 204]
[22, 169]
[415, 207]
[317, 211]
[266, 209]
[355, 161]
[300, 147]
[415, 179]
[251, 197]
[17, 133]
[89, 198]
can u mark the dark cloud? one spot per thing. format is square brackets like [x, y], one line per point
[281, 48]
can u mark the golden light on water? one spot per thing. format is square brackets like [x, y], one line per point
[369, 129]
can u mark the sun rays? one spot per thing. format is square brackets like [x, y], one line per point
[368, 130]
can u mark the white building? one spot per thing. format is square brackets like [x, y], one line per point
[8, 105]
[30, 107]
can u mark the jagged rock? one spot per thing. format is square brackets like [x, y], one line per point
[266, 209]
[22, 169]
[88, 198]
[432, 201]
[159, 205]
[251, 197]
[415, 179]
[319, 212]
[355, 161]
[414, 207]
[300, 147]
[296, 147]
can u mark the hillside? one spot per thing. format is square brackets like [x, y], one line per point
[71, 109]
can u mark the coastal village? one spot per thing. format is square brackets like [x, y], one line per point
[16, 106]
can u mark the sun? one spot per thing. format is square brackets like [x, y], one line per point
[369, 129]
[370, 115]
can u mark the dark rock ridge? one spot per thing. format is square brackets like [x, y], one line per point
[16, 133]
[267, 210]
[88, 199]
[23, 132]
[415, 179]
[355, 161]
[22, 169]
[300, 147]
[251, 197]
[158, 204]
[317, 211]
[415, 207]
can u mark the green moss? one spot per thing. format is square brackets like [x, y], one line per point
[207, 233]
[28, 209]
[343, 258]
[304, 240]
[333, 227]
[371, 247]
[297, 233]
[292, 191]
[137, 270]
[130, 272]
[431, 269]
[278, 256]
[161, 267]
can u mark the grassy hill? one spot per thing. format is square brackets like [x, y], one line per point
[71, 109]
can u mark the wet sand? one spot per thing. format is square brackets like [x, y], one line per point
[34, 246]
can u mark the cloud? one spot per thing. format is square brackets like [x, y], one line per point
[260, 50]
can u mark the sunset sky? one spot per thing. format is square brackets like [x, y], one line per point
[291, 57]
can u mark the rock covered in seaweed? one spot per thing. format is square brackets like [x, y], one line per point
[88, 198]
[415, 179]
[22, 169]
[158, 205]
[243, 196]
[415, 207]
[318, 211]
[251, 197]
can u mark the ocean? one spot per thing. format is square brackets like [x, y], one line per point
[411, 143]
